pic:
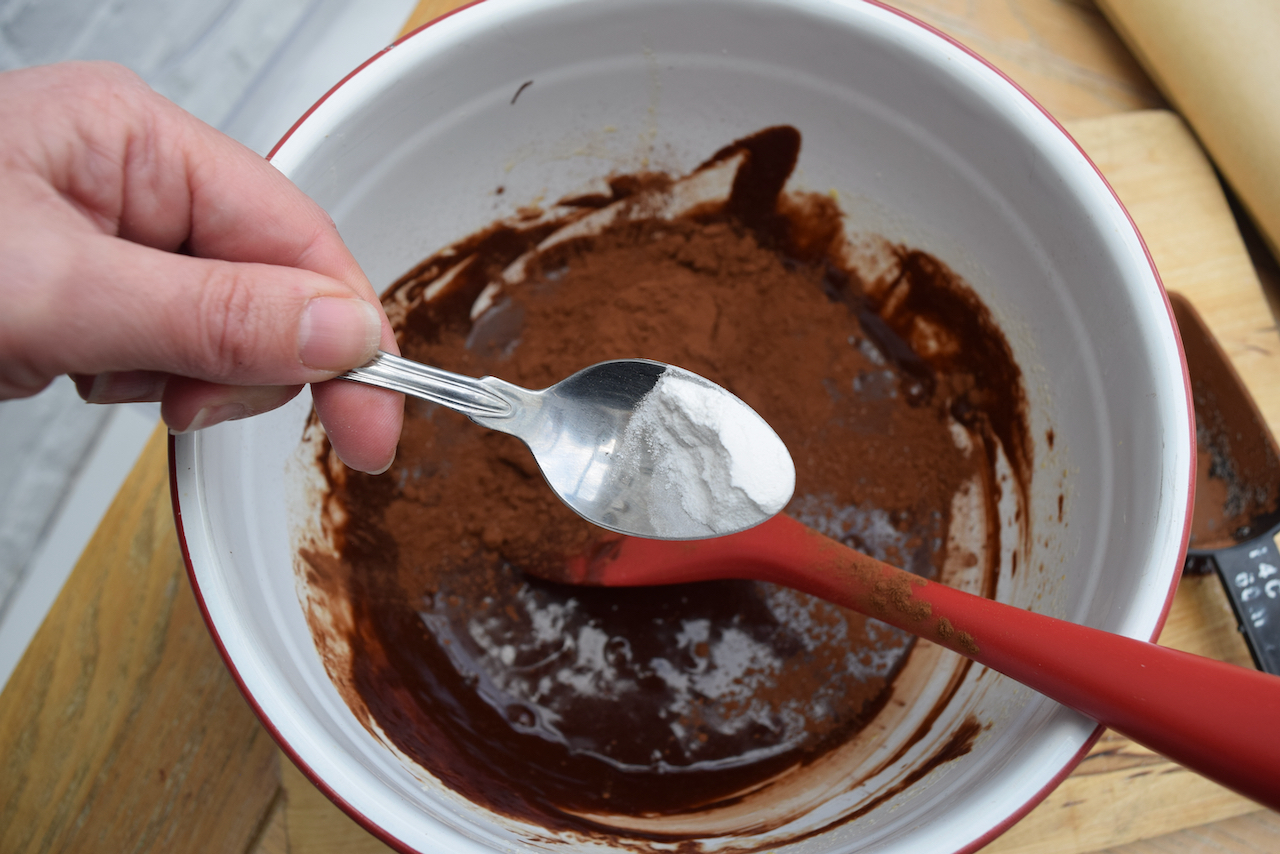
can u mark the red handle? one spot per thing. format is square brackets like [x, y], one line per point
[1218, 719]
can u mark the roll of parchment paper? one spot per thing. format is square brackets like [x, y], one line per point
[1219, 63]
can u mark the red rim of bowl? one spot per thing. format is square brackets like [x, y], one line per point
[1017, 814]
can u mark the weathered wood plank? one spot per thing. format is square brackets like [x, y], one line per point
[121, 729]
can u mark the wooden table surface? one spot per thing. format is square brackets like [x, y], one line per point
[121, 730]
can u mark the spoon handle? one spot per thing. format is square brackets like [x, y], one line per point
[464, 394]
[1215, 718]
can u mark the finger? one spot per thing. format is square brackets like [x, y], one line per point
[221, 322]
[121, 386]
[363, 423]
[189, 405]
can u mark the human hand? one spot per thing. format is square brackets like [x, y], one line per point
[155, 259]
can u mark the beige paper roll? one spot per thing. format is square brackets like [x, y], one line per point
[1218, 62]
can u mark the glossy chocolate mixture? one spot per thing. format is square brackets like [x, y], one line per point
[893, 392]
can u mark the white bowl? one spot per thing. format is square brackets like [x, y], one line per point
[925, 144]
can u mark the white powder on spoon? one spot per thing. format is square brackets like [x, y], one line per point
[717, 466]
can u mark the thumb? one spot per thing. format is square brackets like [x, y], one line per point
[121, 306]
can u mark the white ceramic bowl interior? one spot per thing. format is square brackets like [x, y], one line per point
[922, 143]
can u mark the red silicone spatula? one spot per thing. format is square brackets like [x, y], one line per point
[1218, 719]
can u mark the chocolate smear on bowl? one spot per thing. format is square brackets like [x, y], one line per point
[895, 392]
[1237, 464]
[1235, 525]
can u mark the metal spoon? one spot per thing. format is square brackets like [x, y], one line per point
[577, 429]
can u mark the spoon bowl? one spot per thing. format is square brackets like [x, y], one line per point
[615, 450]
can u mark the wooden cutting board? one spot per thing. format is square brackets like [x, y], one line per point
[121, 730]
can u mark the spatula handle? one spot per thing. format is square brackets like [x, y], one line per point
[1218, 719]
